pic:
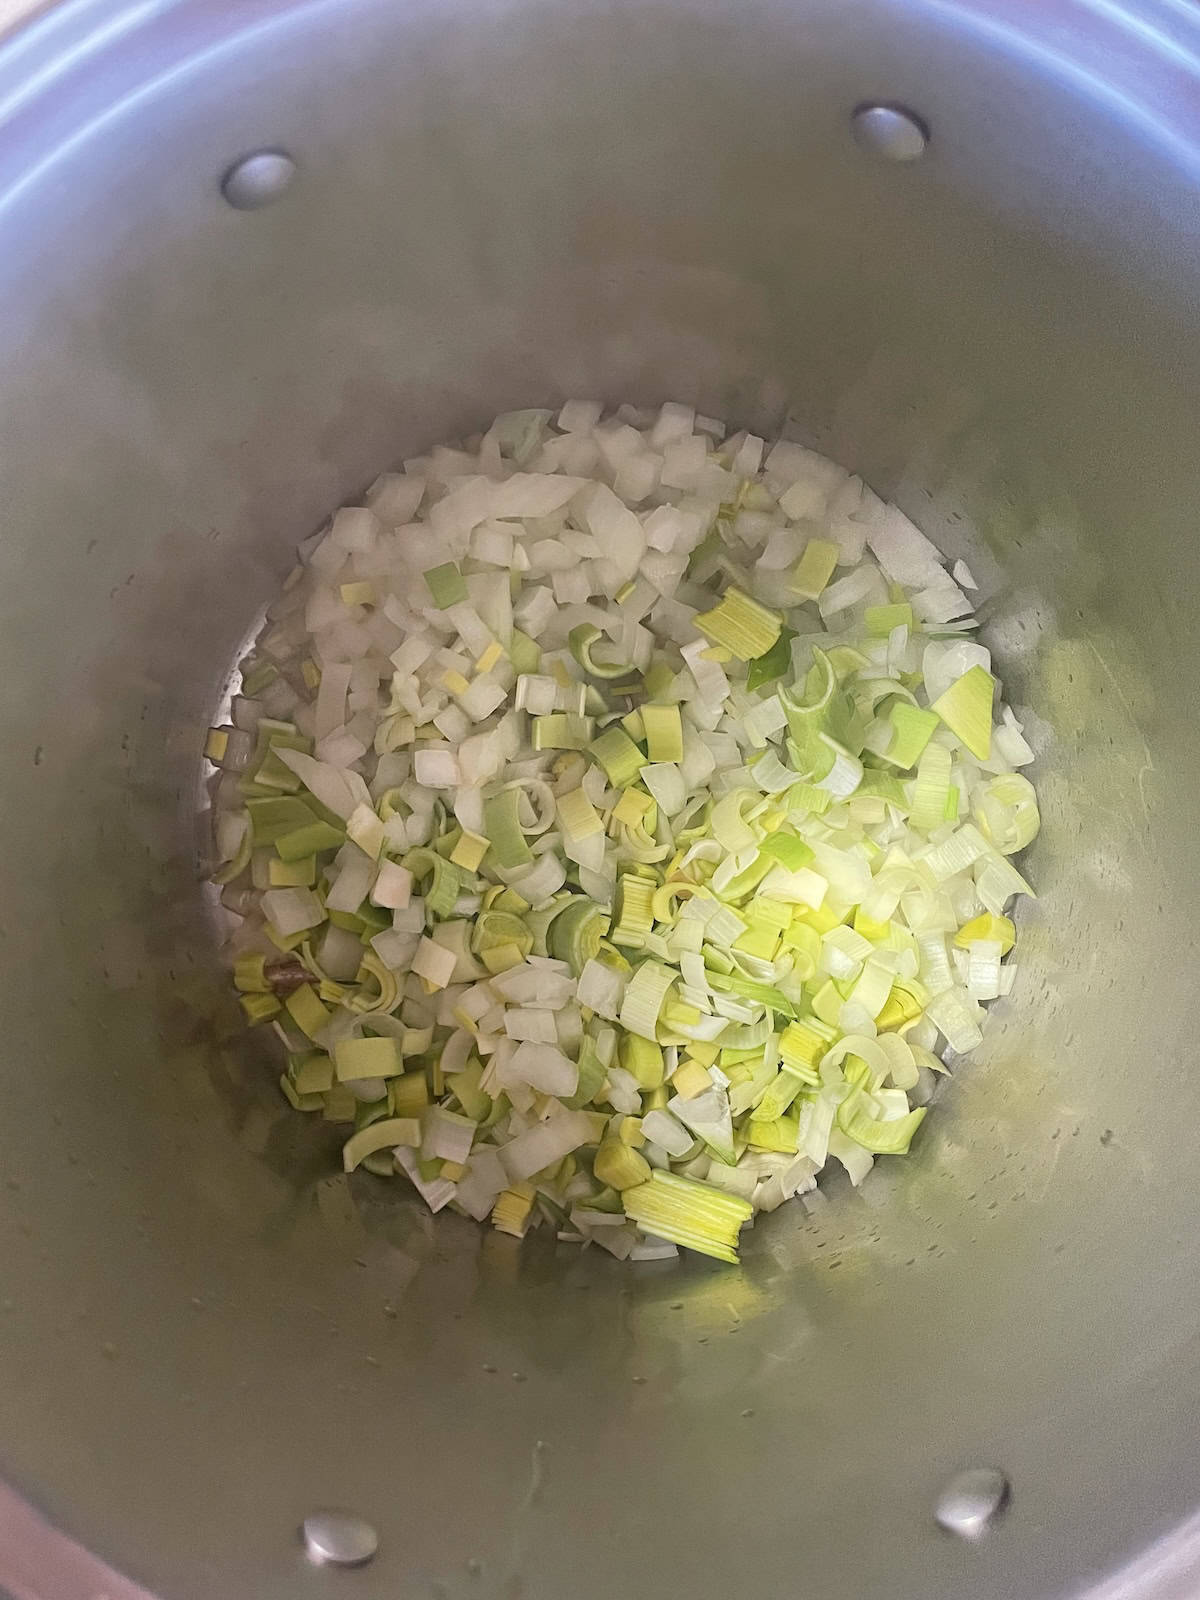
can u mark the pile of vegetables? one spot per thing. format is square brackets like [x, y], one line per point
[620, 818]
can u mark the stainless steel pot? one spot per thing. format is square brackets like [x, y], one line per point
[206, 1332]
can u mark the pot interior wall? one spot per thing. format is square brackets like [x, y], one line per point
[207, 1329]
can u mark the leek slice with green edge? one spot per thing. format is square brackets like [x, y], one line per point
[523, 652]
[779, 1095]
[644, 1059]
[312, 839]
[779, 1134]
[265, 774]
[932, 789]
[367, 1058]
[583, 641]
[664, 733]
[577, 816]
[809, 713]
[645, 995]
[718, 855]
[576, 933]
[635, 911]
[502, 828]
[880, 620]
[381, 1135]
[966, 709]
[788, 849]
[408, 1095]
[883, 786]
[744, 627]
[773, 999]
[446, 585]
[494, 930]
[620, 758]
[238, 862]
[1007, 812]
[378, 991]
[620, 1167]
[257, 677]
[912, 730]
[562, 730]
[987, 927]
[306, 1010]
[259, 1008]
[689, 1213]
[272, 816]
[298, 874]
[298, 1101]
[592, 1076]
[312, 1073]
[250, 975]
[815, 568]
[773, 664]
[885, 1138]
[438, 877]
[465, 1087]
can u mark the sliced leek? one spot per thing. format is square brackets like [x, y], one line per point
[966, 709]
[613, 848]
[744, 627]
[689, 1213]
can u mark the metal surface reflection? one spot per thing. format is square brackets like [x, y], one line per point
[503, 206]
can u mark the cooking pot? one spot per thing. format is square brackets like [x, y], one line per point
[207, 1332]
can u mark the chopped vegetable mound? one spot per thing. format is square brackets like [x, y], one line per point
[618, 819]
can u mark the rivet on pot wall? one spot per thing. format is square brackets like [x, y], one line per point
[338, 1539]
[971, 1500]
[258, 180]
[890, 132]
